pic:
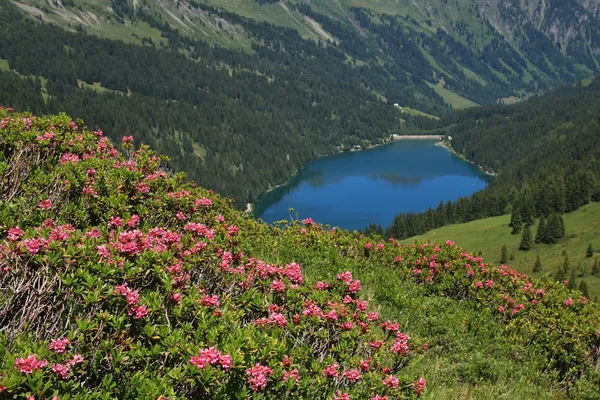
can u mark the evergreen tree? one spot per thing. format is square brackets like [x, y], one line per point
[504, 255]
[554, 229]
[526, 239]
[565, 265]
[583, 288]
[572, 281]
[527, 206]
[560, 275]
[596, 268]
[540, 236]
[537, 267]
[515, 218]
[590, 251]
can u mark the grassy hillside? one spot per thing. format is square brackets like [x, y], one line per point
[490, 234]
[125, 281]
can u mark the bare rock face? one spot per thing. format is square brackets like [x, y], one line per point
[565, 22]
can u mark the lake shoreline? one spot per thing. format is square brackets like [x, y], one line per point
[392, 138]
[446, 145]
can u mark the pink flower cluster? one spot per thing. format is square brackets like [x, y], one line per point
[59, 345]
[419, 385]
[346, 277]
[30, 364]
[133, 298]
[211, 356]
[258, 376]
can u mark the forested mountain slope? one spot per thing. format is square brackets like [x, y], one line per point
[126, 281]
[242, 93]
[546, 151]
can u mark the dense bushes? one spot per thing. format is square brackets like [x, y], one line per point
[124, 281]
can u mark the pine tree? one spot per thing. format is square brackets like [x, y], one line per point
[555, 229]
[540, 236]
[590, 251]
[560, 275]
[527, 206]
[526, 239]
[565, 265]
[516, 222]
[596, 268]
[583, 288]
[537, 267]
[504, 255]
[572, 281]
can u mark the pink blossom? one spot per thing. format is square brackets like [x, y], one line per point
[389, 326]
[30, 364]
[378, 397]
[210, 301]
[293, 375]
[352, 375]
[331, 371]
[364, 365]
[45, 204]
[59, 345]
[391, 381]
[15, 233]
[61, 370]
[321, 285]
[372, 316]
[278, 286]
[133, 221]
[103, 251]
[354, 286]
[308, 221]
[568, 302]
[258, 376]
[69, 157]
[341, 396]
[345, 277]
[210, 356]
[127, 139]
[77, 359]
[419, 385]
[203, 202]
[138, 312]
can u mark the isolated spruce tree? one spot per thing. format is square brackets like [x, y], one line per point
[504, 255]
[565, 265]
[555, 229]
[583, 288]
[540, 236]
[527, 206]
[516, 222]
[596, 268]
[560, 275]
[572, 284]
[537, 267]
[526, 239]
[590, 251]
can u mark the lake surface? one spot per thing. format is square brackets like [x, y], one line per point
[353, 189]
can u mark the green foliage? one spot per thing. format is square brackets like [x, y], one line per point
[537, 267]
[147, 275]
[590, 251]
[526, 239]
[503, 255]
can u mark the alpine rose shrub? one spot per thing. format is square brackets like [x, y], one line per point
[146, 287]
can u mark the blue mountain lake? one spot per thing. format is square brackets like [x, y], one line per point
[353, 189]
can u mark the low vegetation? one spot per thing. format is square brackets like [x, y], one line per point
[125, 281]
